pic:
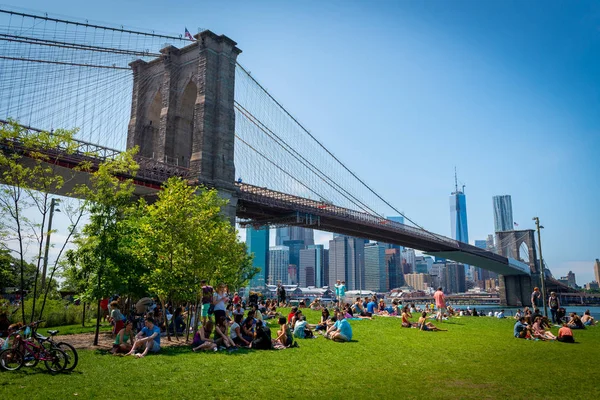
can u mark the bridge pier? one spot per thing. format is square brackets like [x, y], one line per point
[515, 290]
[183, 111]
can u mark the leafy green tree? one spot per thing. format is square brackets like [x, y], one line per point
[28, 165]
[100, 254]
[183, 237]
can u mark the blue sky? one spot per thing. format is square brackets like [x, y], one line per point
[506, 91]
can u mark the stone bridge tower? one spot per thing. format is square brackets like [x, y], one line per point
[182, 110]
[515, 290]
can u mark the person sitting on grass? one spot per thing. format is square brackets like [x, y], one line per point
[372, 307]
[221, 337]
[539, 332]
[587, 319]
[341, 331]
[315, 305]
[262, 337]
[272, 312]
[238, 310]
[148, 337]
[284, 334]
[291, 315]
[565, 334]
[500, 314]
[575, 322]
[249, 326]
[236, 332]
[521, 328]
[423, 325]
[124, 336]
[202, 340]
[302, 330]
[257, 314]
[177, 324]
[405, 318]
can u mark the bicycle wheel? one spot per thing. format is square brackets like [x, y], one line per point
[72, 357]
[55, 360]
[11, 359]
[29, 358]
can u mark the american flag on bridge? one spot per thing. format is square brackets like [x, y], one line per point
[188, 34]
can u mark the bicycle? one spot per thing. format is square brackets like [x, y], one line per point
[28, 353]
[72, 356]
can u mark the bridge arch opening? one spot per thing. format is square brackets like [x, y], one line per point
[524, 252]
[181, 138]
[151, 127]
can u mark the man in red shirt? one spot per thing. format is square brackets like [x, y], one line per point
[440, 303]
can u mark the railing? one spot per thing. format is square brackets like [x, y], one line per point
[150, 169]
[273, 198]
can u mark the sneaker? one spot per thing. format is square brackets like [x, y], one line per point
[215, 349]
[222, 348]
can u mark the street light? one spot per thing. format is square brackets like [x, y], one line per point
[539, 227]
[53, 203]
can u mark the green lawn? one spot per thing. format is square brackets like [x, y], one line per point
[77, 328]
[476, 358]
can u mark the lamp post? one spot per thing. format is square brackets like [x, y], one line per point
[53, 203]
[539, 227]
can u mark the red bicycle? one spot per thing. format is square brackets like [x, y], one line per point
[26, 352]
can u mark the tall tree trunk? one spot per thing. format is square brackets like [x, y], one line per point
[98, 314]
[97, 323]
[83, 317]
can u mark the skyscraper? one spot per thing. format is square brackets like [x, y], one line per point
[346, 261]
[597, 270]
[257, 242]
[458, 217]
[375, 268]
[393, 259]
[286, 233]
[279, 261]
[503, 216]
[312, 266]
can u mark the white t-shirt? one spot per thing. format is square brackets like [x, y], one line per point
[258, 315]
[232, 332]
[220, 301]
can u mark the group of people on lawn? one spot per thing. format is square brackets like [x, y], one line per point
[226, 325]
[533, 325]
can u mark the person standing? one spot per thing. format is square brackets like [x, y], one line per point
[337, 286]
[342, 293]
[207, 295]
[535, 297]
[440, 303]
[220, 298]
[554, 304]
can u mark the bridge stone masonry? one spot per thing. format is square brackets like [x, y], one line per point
[182, 110]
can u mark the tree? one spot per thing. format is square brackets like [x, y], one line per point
[28, 165]
[99, 252]
[10, 269]
[183, 237]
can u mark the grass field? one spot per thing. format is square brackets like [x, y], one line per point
[476, 358]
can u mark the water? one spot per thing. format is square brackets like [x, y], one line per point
[510, 311]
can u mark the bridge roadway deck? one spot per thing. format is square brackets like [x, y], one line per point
[262, 205]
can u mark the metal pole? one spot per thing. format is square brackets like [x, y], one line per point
[537, 224]
[52, 205]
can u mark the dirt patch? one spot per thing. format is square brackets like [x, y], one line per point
[105, 341]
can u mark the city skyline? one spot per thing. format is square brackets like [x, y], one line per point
[527, 93]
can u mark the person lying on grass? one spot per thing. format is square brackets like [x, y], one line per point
[202, 340]
[148, 338]
[423, 325]
[565, 334]
[539, 332]
[341, 331]
[124, 336]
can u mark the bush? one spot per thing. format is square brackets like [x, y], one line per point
[57, 312]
